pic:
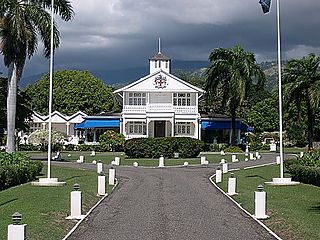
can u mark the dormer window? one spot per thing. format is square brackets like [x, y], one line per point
[155, 64]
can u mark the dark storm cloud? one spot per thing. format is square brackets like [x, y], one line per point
[119, 34]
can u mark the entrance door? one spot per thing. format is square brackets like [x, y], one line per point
[159, 129]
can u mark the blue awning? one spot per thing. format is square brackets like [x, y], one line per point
[98, 123]
[218, 125]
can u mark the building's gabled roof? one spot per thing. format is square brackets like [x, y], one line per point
[79, 113]
[159, 56]
[156, 73]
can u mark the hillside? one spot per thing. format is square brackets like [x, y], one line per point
[121, 77]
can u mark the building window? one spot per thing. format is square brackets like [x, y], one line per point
[182, 99]
[155, 64]
[159, 64]
[137, 128]
[137, 99]
[183, 128]
[166, 64]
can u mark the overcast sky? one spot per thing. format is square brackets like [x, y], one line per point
[115, 34]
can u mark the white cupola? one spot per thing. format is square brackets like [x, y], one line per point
[159, 62]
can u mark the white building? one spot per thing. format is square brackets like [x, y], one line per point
[160, 104]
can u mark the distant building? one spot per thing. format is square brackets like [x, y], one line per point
[160, 105]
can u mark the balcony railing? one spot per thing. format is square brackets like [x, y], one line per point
[160, 108]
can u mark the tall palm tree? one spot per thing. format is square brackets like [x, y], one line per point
[22, 22]
[231, 73]
[302, 86]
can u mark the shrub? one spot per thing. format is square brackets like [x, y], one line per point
[305, 169]
[40, 138]
[215, 147]
[155, 147]
[233, 149]
[17, 168]
[111, 141]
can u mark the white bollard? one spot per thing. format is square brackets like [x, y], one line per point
[247, 151]
[257, 154]
[246, 159]
[232, 183]
[117, 161]
[101, 185]
[135, 164]
[93, 153]
[260, 203]
[203, 160]
[224, 167]
[278, 160]
[234, 158]
[301, 154]
[81, 159]
[99, 167]
[75, 203]
[222, 153]
[251, 156]
[218, 175]
[112, 175]
[185, 164]
[17, 231]
[222, 161]
[161, 162]
[94, 162]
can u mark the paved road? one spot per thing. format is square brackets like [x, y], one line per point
[170, 203]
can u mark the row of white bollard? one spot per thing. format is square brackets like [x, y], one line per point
[259, 195]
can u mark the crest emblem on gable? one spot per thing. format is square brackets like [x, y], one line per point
[160, 81]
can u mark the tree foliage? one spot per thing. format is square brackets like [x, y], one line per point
[21, 24]
[230, 75]
[24, 112]
[72, 91]
[302, 87]
[264, 115]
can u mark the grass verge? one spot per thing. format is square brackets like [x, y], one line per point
[294, 210]
[44, 209]
[108, 157]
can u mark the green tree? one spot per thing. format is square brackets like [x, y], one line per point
[73, 91]
[24, 112]
[302, 87]
[230, 75]
[21, 23]
[264, 115]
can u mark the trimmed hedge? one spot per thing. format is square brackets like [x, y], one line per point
[305, 174]
[305, 169]
[17, 168]
[155, 147]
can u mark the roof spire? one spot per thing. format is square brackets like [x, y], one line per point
[159, 45]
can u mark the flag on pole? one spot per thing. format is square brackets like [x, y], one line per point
[265, 4]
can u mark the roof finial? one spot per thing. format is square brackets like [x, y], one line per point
[159, 45]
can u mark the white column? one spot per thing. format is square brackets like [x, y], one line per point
[112, 175]
[94, 135]
[238, 135]
[86, 135]
[224, 167]
[147, 123]
[260, 203]
[161, 162]
[99, 167]
[17, 231]
[75, 203]
[68, 128]
[196, 129]
[101, 185]
[172, 127]
[218, 175]
[232, 183]
[43, 126]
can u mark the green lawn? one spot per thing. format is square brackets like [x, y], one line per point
[107, 157]
[294, 210]
[44, 208]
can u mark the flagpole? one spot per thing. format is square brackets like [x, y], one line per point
[50, 93]
[280, 89]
